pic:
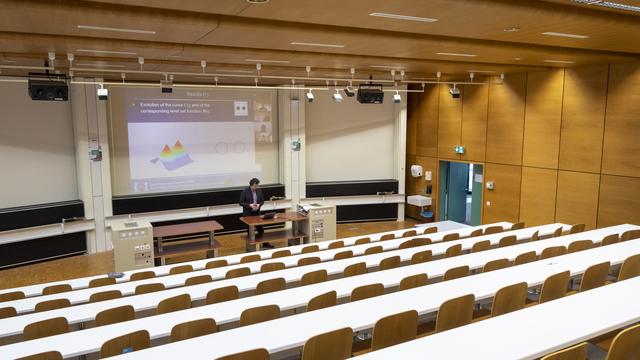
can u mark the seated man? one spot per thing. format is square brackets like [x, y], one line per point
[251, 199]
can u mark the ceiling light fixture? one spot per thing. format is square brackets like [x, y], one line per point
[512, 29]
[235, 71]
[316, 44]
[105, 52]
[268, 61]
[103, 28]
[610, 5]
[337, 97]
[482, 71]
[456, 54]
[403, 17]
[100, 65]
[309, 96]
[559, 34]
[560, 61]
[257, 2]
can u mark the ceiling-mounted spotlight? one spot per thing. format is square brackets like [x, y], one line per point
[203, 64]
[70, 57]
[438, 75]
[502, 77]
[123, 76]
[309, 96]
[455, 92]
[471, 76]
[397, 98]
[350, 91]
[167, 85]
[337, 97]
[103, 94]
[52, 57]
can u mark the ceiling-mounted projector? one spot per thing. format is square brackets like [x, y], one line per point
[48, 87]
[370, 94]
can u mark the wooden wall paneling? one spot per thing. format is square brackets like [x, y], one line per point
[449, 123]
[504, 200]
[621, 150]
[505, 125]
[538, 196]
[543, 116]
[577, 198]
[583, 111]
[474, 122]
[427, 127]
[412, 122]
[619, 200]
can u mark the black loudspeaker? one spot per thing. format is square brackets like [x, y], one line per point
[48, 87]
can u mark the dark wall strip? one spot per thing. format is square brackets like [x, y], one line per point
[42, 214]
[352, 213]
[29, 251]
[351, 188]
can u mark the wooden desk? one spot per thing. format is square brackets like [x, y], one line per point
[164, 250]
[253, 243]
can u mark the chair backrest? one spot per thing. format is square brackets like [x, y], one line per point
[630, 235]
[180, 269]
[250, 258]
[577, 228]
[579, 245]
[553, 251]
[216, 264]
[626, 345]
[508, 241]
[222, 294]
[481, 246]
[387, 237]
[336, 244]
[355, 269]
[456, 273]
[451, 237]
[280, 253]
[527, 257]
[56, 289]
[595, 276]
[142, 275]
[493, 229]
[149, 288]
[413, 281]
[421, 257]
[430, 230]
[255, 354]
[310, 249]
[557, 232]
[259, 314]
[630, 268]
[394, 329]
[7, 312]
[174, 303]
[309, 261]
[554, 287]
[496, 265]
[509, 298]
[455, 312]
[333, 345]
[389, 263]
[10, 296]
[313, 277]
[517, 226]
[373, 250]
[105, 295]
[45, 328]
[238, 272]
[200, 279]
[272, 266]
[535, 236]
[102, 282]
[576, 352]
[49, 355]
[52, 305]
[343, 255]
[322, 301]
[271, 285]
[610, 240]
[194, 328]
[409, 244]
[476, 232]
[409, 233]
[115, 315]
[134, 341]
[367, 291]
[454, 250]
[361, 241]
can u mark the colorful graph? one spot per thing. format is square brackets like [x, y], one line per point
[173, 158]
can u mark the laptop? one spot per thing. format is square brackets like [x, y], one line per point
[269, 215]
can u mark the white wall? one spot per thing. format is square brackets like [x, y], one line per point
[37, 156]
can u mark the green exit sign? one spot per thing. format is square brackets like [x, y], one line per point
[458, 149]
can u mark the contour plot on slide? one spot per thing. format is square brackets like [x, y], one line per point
[173, 158]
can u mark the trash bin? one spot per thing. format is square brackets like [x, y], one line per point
[426, 216]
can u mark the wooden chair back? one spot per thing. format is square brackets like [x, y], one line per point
[630, 235]
[313, 277]
[576, 228]
[367, 291]
[238, 272]
[508, 241]
[216, 264]
[517, 226]
[493, 229]
[355, 269]
[430, 230]
[343, 255]
[130, 342]
[333, 345]
[180, 269]
[557, 232]
[149, 288]
[476, 232]
[255, 354]
[222, 294]
[322, 301]
[49, 355]
[576, 352]
[630, 268]
[52, 305]
[200, 279]
[272, 266]
[595, 276]
[554, 287]
[115, 315]
[310, 249]
[535, 236]
[579, 245]
[259, 314]
[44, 328]
[102, 282]
[496, 265]
[454, 313]
[250, 258]
[415, 242]
[7, 312]
[610, 240]
[373, 250]
[174, 303]
[483, 245]
[626, 345]
[336, 244]
[105, 295]
[309, 261]
[454, 250]
[361, 241]
[509, 298]
[409, 233]
[387, 237]
[10, 296]
[194, 328]
[456, 273]
[413, 281]
[56, 289]
[142, 275]
[389, 263]
[527, 257]
[553, 251]
[421, 257]
[394, 329]
[451, 237]
[271, 285]
[280, 253]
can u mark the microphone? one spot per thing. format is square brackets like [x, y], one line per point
[274, 198]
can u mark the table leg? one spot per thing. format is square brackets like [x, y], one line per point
[252, 233]
[162, 260]
[211, 240]
[160, 244]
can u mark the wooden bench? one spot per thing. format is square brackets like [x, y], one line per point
[164, 250]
